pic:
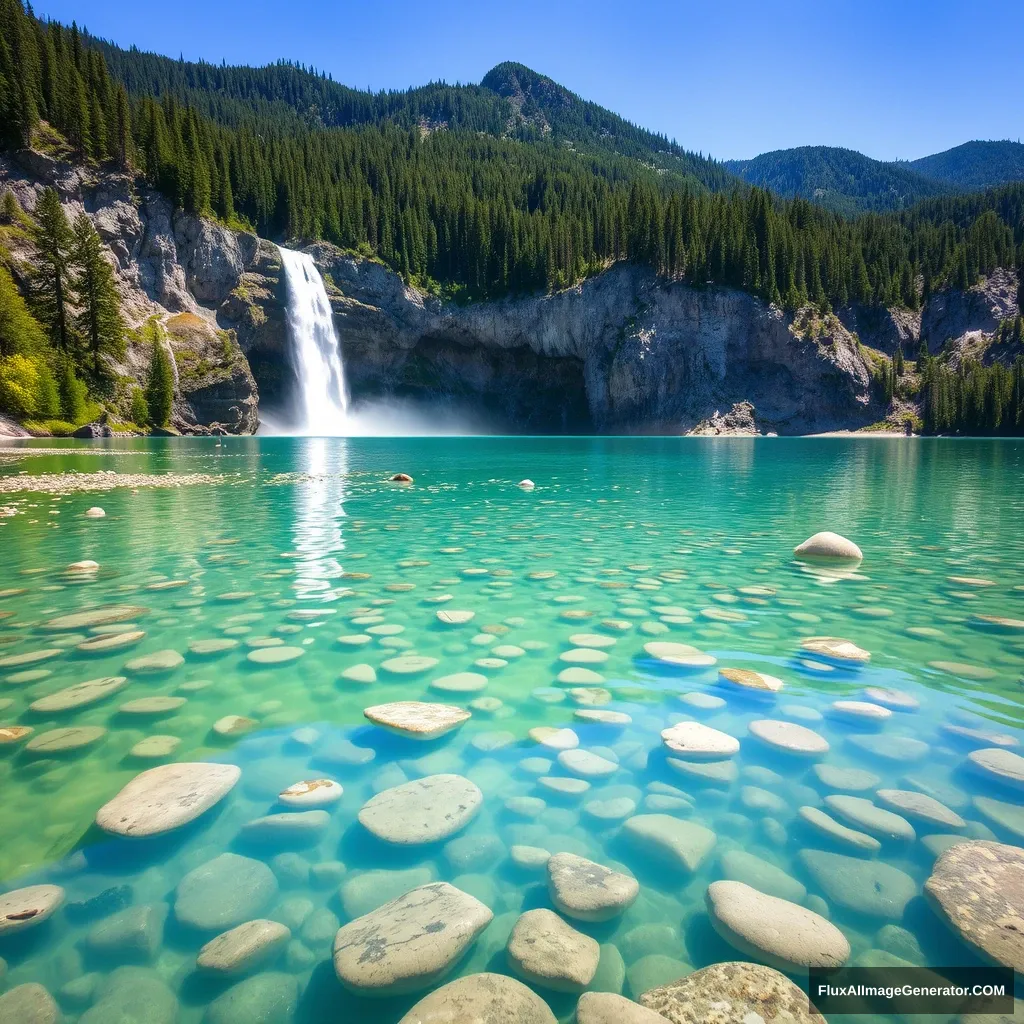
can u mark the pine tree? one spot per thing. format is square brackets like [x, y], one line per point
[897, 361]
[99, 320]
[71, 390]
[139, 408]
[53, 242]
[160, 383]
[10, 210]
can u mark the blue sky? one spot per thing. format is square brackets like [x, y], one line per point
[891, 78]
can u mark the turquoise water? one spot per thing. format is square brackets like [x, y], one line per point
[634, 540]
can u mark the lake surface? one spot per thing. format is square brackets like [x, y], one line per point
[623, 542]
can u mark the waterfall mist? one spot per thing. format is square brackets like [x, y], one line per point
[322, 407]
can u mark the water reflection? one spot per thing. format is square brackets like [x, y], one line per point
[319, 512]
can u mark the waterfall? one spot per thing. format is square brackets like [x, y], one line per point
[322, 407]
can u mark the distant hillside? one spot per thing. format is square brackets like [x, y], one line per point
[975, 165]
[541, 107]
[841, 179]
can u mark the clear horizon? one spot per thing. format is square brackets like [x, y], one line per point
[734, 81]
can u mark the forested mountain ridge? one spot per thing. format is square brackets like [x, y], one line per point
[850, 182]
[975, 165]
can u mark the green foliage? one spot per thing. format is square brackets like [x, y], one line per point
[973, 399]
[99, 320]
[19, 330]
[975, 165]
[841, 179]
[53, 243]
[139, 407]
[10, 210]
[160, 382]
[72, 392]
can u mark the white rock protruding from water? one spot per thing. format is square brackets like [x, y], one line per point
[829, 547]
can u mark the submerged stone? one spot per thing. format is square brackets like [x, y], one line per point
[588, 891]
[546, 951]
[422, 811]
[410, 943]
[481, 999]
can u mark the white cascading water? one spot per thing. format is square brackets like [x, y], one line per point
[316, 352]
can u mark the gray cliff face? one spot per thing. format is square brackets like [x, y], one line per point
[622, 352]
[171, 266]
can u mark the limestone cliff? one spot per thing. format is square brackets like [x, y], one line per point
[169, 265]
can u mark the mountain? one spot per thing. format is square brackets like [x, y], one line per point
[841, 179]
[975, 165]
[849, 182]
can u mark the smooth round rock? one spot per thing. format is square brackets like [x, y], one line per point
[105, 643]
[702, 701]
[789, 738]
[854, 780]
[482, 999]
[599, 716]
[586, 764]
[274, 655]
[94, 513]
[821, 822]
[741, 866]
[152, 705]
[678, 655]
[243, 948]
[998, 765]
[588, 891]
[547, 952]
[408, 665]
[212, 646]
[30, 1003]
[783, 934]
[79, 695]
[269, 997]
[897, 749]
[311, 793]
[96, 617]
[869, 887]
[11, 734]
[829, 547]
[749, 681]
[891, 698]
[836, 649]
[62, 741]
[416, 719]
[699, 742]
[977, 888]
[155, 663]
[577, 675]
[863, 814]
[410, 943]
[156, 747]
[681, 845]
[454, 616]
[920, 807]
[860, 711]
[460, 682]
[21, 909]
[422, 811]
[167, 797]
[554, 739]
[732, 993]
[224, 892]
